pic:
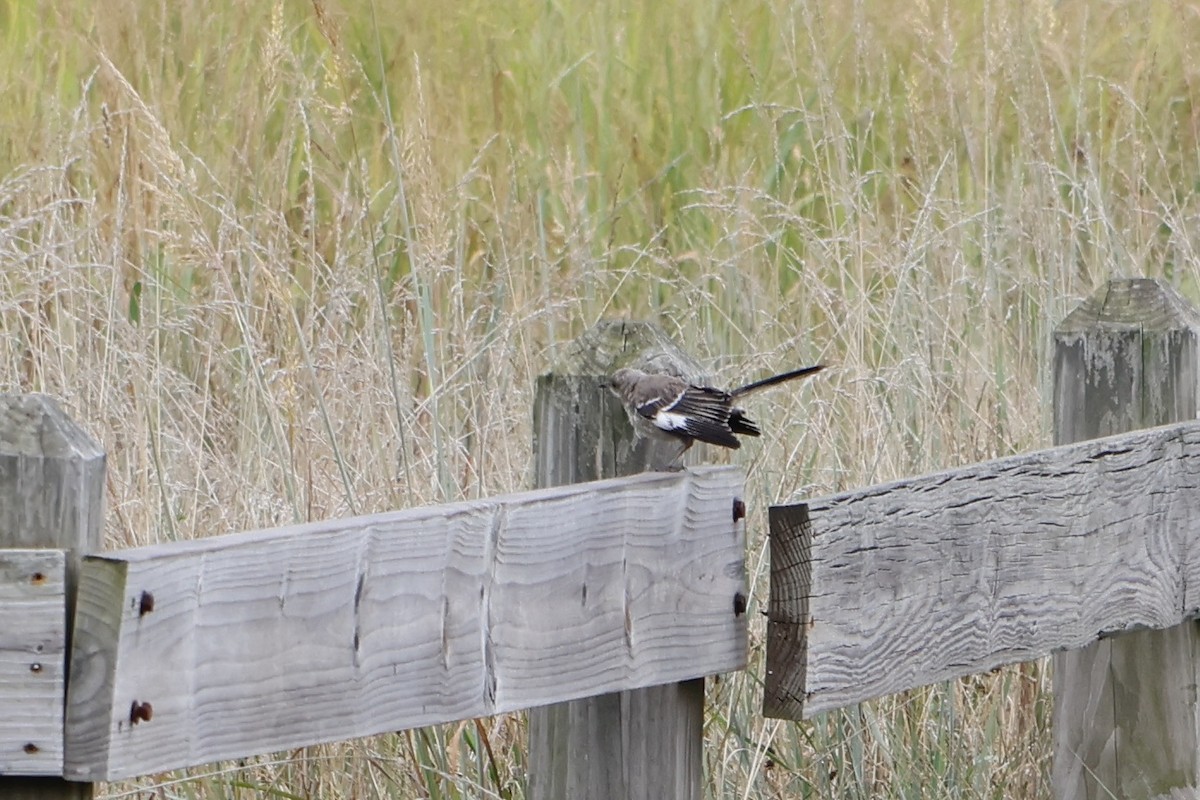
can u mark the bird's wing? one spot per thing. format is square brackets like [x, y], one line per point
[700, 412]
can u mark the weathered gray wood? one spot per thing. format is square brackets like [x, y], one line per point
[228, 646]
[51, 496]
[786, 688]
[645, 743]
[635, 743]
[930, 578]
[33, 632]
[1125, 714]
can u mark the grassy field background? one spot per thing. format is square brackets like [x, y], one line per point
[292, 261]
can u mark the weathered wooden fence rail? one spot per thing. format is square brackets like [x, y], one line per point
[259, 642]
[926, 579]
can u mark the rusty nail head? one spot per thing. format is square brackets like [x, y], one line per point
[31, 748]
[145, 604]
[38, 578]
[739, 604]
[739, 509]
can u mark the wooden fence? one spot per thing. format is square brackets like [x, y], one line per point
[602, 605]
[610, 598]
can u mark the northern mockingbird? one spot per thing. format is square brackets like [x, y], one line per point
[670, 408]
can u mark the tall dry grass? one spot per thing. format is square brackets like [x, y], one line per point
[292, 261]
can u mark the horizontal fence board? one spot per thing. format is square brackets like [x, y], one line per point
[226, 647]
[922, 580]
[33, 629]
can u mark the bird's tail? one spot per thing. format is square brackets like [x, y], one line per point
[803, 372]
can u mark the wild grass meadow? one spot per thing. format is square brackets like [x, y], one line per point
[290, 261]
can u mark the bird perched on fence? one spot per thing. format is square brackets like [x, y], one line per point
[670, 408]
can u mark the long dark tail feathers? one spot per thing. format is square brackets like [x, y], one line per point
[774, 380]
[741, 424]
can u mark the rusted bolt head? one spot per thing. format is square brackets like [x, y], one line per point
[739, 604]
[145, 604]
[739, 509]
[140, 712]
[31, 748]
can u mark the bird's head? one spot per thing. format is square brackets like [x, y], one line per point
[621, 381]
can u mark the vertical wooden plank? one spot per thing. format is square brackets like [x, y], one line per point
[1125, 712]
[33, 633]
[644, 743]
[51, 496]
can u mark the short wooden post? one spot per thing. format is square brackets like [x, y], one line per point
[630, 745]
[1125, 711]
[51, 496]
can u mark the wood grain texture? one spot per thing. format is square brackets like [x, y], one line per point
[958, 572]
[788, 613]
[51, 496]
[645, 743]
[33, 631]
[641, 743]
[1125, 711]
[51, 480]
[264, 641]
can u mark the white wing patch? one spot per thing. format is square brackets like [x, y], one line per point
[670, 422]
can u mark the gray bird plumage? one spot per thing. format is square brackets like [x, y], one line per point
[667, 407]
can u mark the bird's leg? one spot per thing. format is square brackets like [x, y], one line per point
[676, 463]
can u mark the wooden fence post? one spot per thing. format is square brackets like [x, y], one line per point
[1125, 712]
[51, 496]
[643, 744]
